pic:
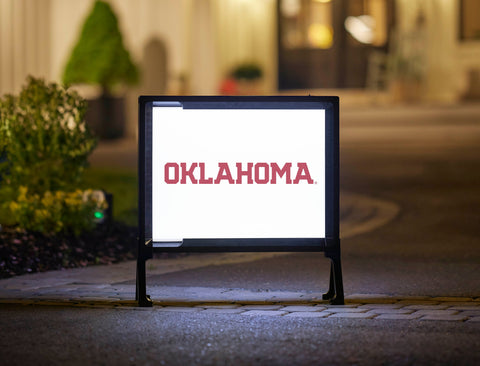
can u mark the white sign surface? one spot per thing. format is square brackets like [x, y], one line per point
[237, 173]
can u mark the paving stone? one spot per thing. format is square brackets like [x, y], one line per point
[348, 306]
[475, 319]
[353, 315]
[472, 308]
[398, 316]
[471, 313]
[25, 289]
[264, 313]
[452, 299]
[92, 298]
[460, 318]
[122, 288]
[380, 306]
[145, 308]
[86, 305]
[426, 307]
[224, 311]
[103, 306]
[45, 296]
[10, 295]
[134, 306]
[183, 304]
[436, 312]
[390, 311]
[181, 309]
[372, 301]
[261, 307]
[222, 306]
[302, 308]
[460, 303]
[309, 314]
[94, 294]
[124, 308]
[345, 310]
[259, 302]
[90, 289]
[382, 301]
[52, 303]
[367, 296]
[416, 302]
[120, 298]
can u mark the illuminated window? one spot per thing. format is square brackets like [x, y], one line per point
[306, 23]
[470, 20]
[367, 21]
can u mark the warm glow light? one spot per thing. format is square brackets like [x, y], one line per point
[323, 1]
[290, 8]
[361, 28]
[320, 36]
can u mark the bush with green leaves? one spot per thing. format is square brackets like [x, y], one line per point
[44, 147]
[56, 212]
[100, 57]
[45, 139]
[247, 71]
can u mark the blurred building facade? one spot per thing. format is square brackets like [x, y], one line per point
[430, 49]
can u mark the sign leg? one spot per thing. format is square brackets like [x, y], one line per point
[335, 292]
[141, 290]
[330, 294]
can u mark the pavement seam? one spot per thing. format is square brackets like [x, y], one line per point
[424, 309]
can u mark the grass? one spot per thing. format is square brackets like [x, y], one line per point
[123, 185]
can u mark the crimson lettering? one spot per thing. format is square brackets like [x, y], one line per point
[247, 173]
[303, 173]
[169, 180]
[281, 172]
[188, 173]
[202, 175]
[260, 173]
[266, 171]
[224, 173]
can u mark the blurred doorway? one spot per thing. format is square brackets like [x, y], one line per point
[327, 43]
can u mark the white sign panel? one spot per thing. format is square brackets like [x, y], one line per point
[237, 173]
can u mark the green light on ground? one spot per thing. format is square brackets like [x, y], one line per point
[98, 215]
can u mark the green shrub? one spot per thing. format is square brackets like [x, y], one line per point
[247, 71]
[44, 147]
[100, 56]
[58, 212]
[44, 139]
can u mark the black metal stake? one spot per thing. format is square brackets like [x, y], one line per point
[141, 290]
[330, 294]
[335, 291]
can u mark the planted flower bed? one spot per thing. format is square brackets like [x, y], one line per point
[46, 212]
[28, 251]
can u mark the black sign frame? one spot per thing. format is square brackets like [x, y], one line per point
[330, 245]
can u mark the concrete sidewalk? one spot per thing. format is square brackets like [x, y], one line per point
[112, 286]
[359, 214]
